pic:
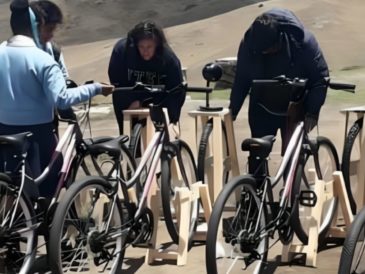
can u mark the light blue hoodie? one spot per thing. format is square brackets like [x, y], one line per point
[32, 84]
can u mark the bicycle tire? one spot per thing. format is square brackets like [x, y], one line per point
[64, 252]
[168, 185]
[346, 159]
[16, 260]
[229, 241]
[330, 210]
[135, 141]
[203, 150]
[355, 233]
[103, 165]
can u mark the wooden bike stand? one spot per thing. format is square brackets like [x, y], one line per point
[215, 174]
[182, 201]
[324, 191]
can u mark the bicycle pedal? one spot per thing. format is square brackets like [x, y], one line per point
[308, 198]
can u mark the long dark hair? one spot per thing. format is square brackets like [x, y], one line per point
[146, 30]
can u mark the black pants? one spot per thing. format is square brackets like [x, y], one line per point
[263, 123]
[40, 152]
[122, 101]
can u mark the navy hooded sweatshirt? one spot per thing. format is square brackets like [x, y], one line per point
[126, 67]
[300, 56]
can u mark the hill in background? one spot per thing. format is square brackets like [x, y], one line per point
[94, 20]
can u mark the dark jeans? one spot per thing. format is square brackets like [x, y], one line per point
[263, 123]
[40, 152]
[122, 100]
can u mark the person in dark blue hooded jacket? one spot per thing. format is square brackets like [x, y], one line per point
[145, 56]
[276, 44]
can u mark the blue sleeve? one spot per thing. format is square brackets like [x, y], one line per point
[242, 81]
[54, 86]
[317, 70]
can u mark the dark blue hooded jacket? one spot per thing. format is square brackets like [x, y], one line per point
[300, 56]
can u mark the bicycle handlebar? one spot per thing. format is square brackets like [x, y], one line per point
[297, 82]
[140, 87]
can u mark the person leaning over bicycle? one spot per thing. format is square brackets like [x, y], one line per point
[145, 56]
[32, 86]
[276, 44]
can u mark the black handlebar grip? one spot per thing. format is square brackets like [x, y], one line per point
[342, 86]
[199, 89]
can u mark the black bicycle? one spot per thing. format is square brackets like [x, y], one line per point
[246, 213]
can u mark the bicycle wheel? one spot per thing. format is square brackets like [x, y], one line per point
[18, 237]
[236, 238]
[103, 165]
[352, 256]
[351, 154]
[328, 163]
[169, 185]
[205, 157]
[135, 144]
[82, 230]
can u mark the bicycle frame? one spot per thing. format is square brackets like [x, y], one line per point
[290, 159]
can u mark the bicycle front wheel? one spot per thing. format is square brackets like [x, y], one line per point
[205, 156]
[18, 237]
[236, 238]
[352, 256]
[86, 230]
[350, 160]
[171, 182]
[328, 162]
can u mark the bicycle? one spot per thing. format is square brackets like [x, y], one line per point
[36, 212]
[352, 255]
[95, 233]
[246, 214]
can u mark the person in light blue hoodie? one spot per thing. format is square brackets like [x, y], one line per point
[32, 86]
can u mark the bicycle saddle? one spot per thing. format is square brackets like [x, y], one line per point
[260, 147]
[20, 142]
[111, 147]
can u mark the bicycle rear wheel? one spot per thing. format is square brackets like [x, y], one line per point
[328, 163]
[169, 185]
[18, 237]
[205, 157]
[352, 256]
[236, 238]
[351, 155]
[82, 230]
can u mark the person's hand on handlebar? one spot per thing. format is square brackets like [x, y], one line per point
[106, 89]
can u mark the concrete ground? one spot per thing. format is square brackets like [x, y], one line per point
[331, 125]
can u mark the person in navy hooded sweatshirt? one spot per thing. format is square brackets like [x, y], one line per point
[145, 56]
[276, 44]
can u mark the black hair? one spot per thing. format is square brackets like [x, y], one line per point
[145, 30]
[48, 12]
[265, 32]
[20, 19]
